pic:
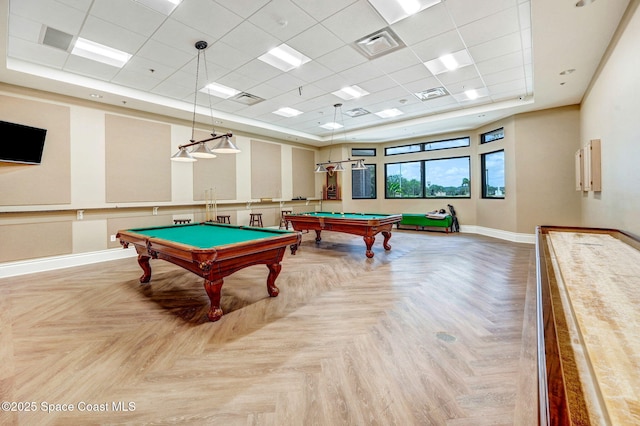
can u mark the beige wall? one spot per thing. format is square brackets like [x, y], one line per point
[544, 167]
[610, 112]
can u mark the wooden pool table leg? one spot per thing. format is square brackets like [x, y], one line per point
[143, 261]
[213, 289]
[318, 239]
[369, 240]
[387, 237]
[274, 271]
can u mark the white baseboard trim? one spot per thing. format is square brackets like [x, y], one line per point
[12, 269]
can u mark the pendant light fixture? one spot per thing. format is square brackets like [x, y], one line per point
[199, 149]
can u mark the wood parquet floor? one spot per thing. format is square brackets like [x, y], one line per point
[438, 331]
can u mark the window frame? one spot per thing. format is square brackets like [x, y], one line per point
[386, 178]
[468, 157]
[355, 154]
[483, 177]
[374, 180]
[483, 136]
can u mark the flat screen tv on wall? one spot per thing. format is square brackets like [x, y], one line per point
[20, 143]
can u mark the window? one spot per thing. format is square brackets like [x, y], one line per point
[403, 180]
[363, 152]
[406, 149]
[447, 178]
[493, 135]
[451, 143]
[363, 183]
[493, 174]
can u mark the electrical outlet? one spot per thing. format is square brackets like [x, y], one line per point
[113, 238]
[80, 214]
[155, 211]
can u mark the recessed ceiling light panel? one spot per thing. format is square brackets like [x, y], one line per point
[350, 92]
[331, 126]
[288, 112]
[284, 58]
[388, 113]
[219, 90]
[100, 53]
[396, 10]
[449, 62]
[471, 94]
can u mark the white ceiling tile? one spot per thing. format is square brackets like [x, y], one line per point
[354, 22]
[178, 35]
[437, 46]
[79, 65]
[111, 35]
[490, 27]
[128, 14]
[500, 46]
[221, 54]
[25, 29]
[315, 42]
[494, 65]
[82, 5]
[321, 10]
[258, 70]
[413, 29]
[311, 71]
[282, 19]
[396, 61]
[140, 65]
[409, 74]
[136, 80]
[159, 52]
[49, 12]
[244, 8]
[467, 11]
[250, 40]
[341, 59]
[206, 17]
[461, 74]
[285, 82]
[36, 53]
[505, 75]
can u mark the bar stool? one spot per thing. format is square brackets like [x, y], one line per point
[256, 219]
[223, 219]
[283, 222]
[181, 221]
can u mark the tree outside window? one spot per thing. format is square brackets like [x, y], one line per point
[404, 180]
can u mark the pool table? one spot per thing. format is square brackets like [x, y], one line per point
[212, 251]
[366, 224]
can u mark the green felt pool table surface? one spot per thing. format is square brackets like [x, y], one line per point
[208, 235]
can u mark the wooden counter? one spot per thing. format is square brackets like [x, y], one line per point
[588, 326]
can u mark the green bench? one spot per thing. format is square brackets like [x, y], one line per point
[417, 220]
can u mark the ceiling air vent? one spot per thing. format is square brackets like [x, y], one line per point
[357, 112]
[379, 43]
[428, 94]
[55, 38]
[246, 98]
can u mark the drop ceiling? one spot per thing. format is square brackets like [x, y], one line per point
[518, 48]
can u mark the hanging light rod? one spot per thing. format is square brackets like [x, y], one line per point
[225, 146]
[336, 166]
